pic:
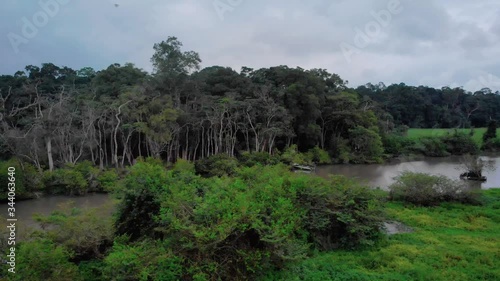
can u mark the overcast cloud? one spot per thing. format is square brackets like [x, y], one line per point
[427, 42]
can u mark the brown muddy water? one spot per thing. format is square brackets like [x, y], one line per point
[382, 175]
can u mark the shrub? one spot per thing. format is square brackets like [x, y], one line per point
[492, 145]
[89, 173]
[249, 159]
[428, 190]
[184, 166]
[27, 180]
[340, 213]
[396, 145]
[141, 201]
[431, 146]
[107, 181]
[91, 270]
[342, 153]
[147, 260]
[42, 260]
[491, 132]
[260, 218]
[460, 144]
[84, 232]
[366, 145]
[216, 165]
[319, 156]
[65, 181]
[291, 155]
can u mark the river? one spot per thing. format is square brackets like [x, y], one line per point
[382, 175]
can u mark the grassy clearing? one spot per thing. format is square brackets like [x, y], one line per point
[450, 242]
[419, 133]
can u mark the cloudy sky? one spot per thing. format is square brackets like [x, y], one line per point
[426, 42]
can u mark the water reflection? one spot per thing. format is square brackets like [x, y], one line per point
[46, 205]
[383, 175]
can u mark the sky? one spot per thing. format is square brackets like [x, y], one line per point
[435, 43]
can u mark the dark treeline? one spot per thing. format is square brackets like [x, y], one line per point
[426, 107]
[51, 115]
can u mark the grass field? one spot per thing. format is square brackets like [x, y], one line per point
[450, 242]
[418, 133]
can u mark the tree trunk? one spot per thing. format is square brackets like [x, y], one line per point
[48, 142]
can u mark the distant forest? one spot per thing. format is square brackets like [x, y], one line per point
[54, 115]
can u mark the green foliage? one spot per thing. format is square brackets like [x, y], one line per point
[291, 155]
[91, 270]
[65, 181]
[340, 212]
[396, 145]
[342, 152]
[249, 159]
[107, 181]
[216, 165]
[27, 180]
[183, 166]
[428, 190]
[491, 132]
[445, 143]
[460, 144]
[43, 260]
[449, 242]
[147, 260]
[85, 232]
[258, 219]
[431, 146]
[319, 156]
[492, 145]
[366, 145]
[135, 216]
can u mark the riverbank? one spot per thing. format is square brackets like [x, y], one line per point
[449, 242]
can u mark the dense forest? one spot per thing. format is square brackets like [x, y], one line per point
[54, 115]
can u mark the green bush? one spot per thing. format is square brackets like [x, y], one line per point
[27, 180]
[216, 165]
[89, 173]
[431, 146]
[107, 181]
[492, 145]
[42, 260]
[366, 145]
[342, 152]
[319, 156]
[340, 213]
[396, 145]
[491, 132]
[259, 219]
[91, 270]
[291, 155]
[147, 260]
[249, 159]
[86, 233]
[141, 202]
[460, 143]
[429, 190]
[65, 181]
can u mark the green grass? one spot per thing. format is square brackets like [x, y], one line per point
[450, 242]
[419, 133]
